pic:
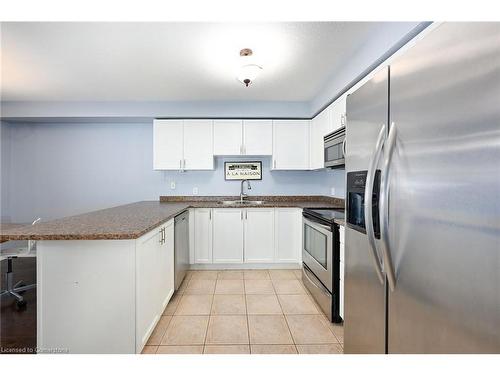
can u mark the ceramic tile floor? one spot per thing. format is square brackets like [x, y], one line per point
[244, 312]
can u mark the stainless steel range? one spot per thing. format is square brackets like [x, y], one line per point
[321, 256]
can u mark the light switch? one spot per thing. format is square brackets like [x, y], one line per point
[172, 185]
[195, 191]
[332, 191]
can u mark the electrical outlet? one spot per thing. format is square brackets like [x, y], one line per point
[332, 192]
[172, 185]
[195, 191]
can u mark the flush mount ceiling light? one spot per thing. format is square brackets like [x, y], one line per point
[248, 72]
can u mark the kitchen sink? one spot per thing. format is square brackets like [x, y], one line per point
[250, 202]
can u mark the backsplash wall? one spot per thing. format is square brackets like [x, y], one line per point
[58, 169]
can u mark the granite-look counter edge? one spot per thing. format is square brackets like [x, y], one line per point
[9, 226]
[131, 221]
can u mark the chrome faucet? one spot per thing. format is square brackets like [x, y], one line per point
[242, 194]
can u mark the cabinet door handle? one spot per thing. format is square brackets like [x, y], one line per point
[274, 164]
[246, 215]
[241, 215]
[180, 164]
[209, 214]
[184, 165]
[161, 236]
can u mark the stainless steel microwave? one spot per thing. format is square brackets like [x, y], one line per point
[335, 149]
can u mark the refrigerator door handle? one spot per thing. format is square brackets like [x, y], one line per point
[384, 208]
[370, 180]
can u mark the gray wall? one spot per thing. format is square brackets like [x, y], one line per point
[58, 169]
[5, 171]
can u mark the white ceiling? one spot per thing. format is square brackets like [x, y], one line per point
[173, 61]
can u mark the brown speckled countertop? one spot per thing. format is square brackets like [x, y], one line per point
[131, 221]
[4, 227]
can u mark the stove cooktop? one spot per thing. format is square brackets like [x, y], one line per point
[328, 214]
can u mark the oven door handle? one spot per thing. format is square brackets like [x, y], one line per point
[305, 272]
[316, 224]
[370, 181]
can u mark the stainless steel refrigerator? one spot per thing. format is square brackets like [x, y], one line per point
[423, 199]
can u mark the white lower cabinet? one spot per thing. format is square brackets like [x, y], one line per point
[247, 235]
[288, 235]
[154, 279]
[147, 278]
[203, 235]
[227, 235]
[130, 282]
[166, 266]
[259, 235]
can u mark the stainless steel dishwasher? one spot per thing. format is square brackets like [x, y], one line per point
[181, 250]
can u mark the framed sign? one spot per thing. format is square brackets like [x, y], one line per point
[243, 170]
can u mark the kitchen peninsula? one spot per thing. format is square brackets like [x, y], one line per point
[105, 277]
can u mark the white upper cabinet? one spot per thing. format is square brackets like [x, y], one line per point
[257, 137]
[259, 235]
[290, 145]
[183, 144]
[319, 128]
[327, 121]
[167, 144]
[228, 137]
[192, 144]
[337, 114]
[198, 148]
[243, 137]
